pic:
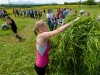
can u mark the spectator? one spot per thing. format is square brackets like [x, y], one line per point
[54, 22]
[60, 20]
[49, 17]
[82, 12]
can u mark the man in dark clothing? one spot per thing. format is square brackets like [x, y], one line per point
[13, 26]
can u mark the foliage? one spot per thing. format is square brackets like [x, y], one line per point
[82, 3]
[78, 49]
[24, 5]
[33, 5]
[90, 2]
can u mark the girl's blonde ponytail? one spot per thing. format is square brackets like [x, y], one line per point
[35, 31]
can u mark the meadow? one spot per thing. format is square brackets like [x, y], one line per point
[18, 58]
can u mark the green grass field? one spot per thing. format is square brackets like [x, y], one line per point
[18, 58]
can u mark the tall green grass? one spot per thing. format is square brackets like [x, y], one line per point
[76, 51]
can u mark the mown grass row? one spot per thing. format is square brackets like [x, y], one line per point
[76, 51]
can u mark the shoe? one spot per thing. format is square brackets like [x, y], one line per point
[19, 38]
[16, 36]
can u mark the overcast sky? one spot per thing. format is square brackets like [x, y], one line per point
[42, 1]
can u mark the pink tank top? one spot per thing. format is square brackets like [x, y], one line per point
[42, 55]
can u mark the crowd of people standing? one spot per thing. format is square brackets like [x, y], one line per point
[37, 13]
[57, 19]
[54, 19]
[3, 14]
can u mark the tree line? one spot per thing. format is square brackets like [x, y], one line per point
[88, 2]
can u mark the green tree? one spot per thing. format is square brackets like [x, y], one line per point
[90, 2]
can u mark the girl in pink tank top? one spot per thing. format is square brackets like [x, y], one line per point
[43, 44]
[42, 55]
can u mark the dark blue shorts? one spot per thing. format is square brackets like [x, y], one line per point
[40, 70]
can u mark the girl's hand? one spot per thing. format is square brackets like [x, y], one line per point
[77, 18]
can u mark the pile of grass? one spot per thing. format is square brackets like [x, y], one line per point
[77, 50]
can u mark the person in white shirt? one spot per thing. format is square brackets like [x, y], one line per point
[81, 12]
[60, 20]
[98, 18]
[54, 22]
[49, 17]
[20, 12]
[71, 12]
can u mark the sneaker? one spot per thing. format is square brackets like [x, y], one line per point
[16, 36]
[19, 38]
